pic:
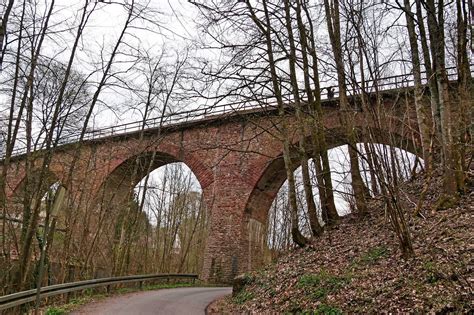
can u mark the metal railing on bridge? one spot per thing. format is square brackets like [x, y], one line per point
[20, 298]
[235, 108]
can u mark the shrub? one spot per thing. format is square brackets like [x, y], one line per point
[55, 311]
[242, 297]
[319, 285]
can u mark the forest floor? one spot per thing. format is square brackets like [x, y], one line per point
[357, 266]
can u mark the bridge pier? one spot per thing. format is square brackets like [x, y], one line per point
[236, 244]
[224, 258]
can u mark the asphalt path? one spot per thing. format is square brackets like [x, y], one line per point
[165, 301]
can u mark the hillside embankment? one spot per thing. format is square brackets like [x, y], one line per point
[357, 267]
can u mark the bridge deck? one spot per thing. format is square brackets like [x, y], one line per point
[222, 112]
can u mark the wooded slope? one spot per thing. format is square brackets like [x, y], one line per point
[357, 268]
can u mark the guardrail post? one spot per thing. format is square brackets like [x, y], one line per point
[107, 289]
[140, 285]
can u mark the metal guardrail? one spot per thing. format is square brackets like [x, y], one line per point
[20, 298]
[264, 104]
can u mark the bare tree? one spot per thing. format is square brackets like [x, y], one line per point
[333, 21]
[3, 30]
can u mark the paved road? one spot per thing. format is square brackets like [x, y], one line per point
[166, 301]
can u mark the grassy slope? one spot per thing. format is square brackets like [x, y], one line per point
[357, 268]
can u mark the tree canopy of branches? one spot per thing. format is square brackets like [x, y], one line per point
[285, 51]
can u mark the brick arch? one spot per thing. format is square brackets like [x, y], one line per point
[50, 177]
[273, 173]
[118, 172]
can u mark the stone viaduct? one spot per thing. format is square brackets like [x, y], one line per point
[237, 158]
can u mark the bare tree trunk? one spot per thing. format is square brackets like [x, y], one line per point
[430, 77]
[3, 31]
[450, 155]
[332, 18]
[390, 193]
[318, 137]
[13, 125]
[191, 237]
[422, 113]
[463, 136]
[31, 217]
[264, 27]
[103, 80]
[316, 228]
[370, 162]
[309, 197]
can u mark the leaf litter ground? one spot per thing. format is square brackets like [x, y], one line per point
[357, 267]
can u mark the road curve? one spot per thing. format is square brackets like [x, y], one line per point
[165, 301]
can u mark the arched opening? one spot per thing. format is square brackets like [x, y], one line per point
[32, 223]
[157, 220]
[171, 197]
[268, 198]
[404, 164]
[33, 187]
